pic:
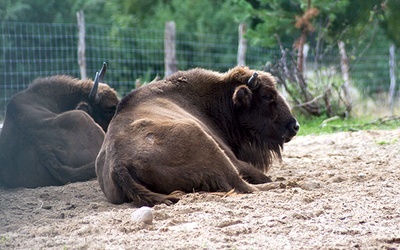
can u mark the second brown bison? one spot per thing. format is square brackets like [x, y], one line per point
[197, 130]
[53, 131]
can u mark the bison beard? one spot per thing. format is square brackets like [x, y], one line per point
[197, 130]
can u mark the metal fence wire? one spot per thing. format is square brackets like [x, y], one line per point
[31, 50]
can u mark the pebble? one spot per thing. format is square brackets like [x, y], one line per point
[310, 185]
[143, 214]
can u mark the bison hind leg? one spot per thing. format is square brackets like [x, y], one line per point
[138, 194]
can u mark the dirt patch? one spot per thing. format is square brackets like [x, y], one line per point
[343, 191]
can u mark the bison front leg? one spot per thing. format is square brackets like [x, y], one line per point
[66, 174]
[69, 146]
[251, 174]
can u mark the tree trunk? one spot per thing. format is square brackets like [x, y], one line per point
[241, 56]
[306, 48]
[81, 44]
[300, 54]
[171, 65]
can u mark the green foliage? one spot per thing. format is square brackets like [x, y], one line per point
[194, 19]
[134, 13]
[390, 20]
[353, 21]
[310, 124]
[279, 17]
[38, 10]
[12, 9]
[55, 11]
[206, 16]
[343, 18]
[367, 68]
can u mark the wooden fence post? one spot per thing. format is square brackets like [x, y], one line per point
[306, 48]
[242, 47]
[81, 44]
[171, 65]
[392, 88]
[344, 64]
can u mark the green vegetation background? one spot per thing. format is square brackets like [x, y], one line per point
[366, 26]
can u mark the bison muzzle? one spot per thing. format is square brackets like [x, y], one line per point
[197, 130]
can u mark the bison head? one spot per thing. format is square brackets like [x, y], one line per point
[102, 101]
[264, 117]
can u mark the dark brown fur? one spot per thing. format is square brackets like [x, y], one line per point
[52, 132]
[197, 130]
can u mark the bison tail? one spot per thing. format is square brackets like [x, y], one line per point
[138, 194]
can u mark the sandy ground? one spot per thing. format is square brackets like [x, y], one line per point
[343, 192]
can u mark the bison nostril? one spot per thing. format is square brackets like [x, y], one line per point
[296, 127]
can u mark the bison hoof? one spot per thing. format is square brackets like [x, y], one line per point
[174, 197]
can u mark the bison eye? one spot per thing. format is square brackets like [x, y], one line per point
[268, 97]
[111, 109]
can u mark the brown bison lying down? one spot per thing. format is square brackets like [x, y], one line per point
[197, 130]
[53, 131]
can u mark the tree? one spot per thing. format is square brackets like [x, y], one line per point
[322, 24]
[389, 20]
[12, 10]
[280, 17]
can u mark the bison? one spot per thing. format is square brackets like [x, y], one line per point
[196, 130]
[53, 131]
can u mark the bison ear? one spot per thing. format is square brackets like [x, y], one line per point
[242, 96]
[84, 106]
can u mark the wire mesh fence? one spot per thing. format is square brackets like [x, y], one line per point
[31, 50]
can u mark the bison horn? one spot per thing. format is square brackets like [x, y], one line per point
[98, 77]
[103, 71]
[252, 82]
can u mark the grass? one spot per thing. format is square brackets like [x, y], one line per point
[322, 125]
[387, 142]
[3, 240]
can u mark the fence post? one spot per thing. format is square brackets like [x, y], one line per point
[171, 65]
[392, 88]
[344, 64]
[306, 48]
[242, 47]
[81, 44]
